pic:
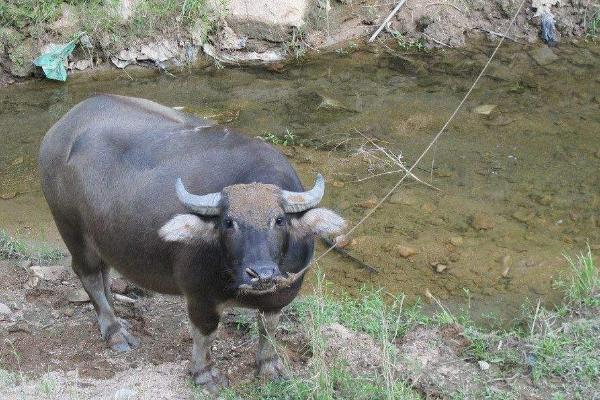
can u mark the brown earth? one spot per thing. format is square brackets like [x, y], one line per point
[51, 348]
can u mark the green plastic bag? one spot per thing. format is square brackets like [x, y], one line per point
[53, 61]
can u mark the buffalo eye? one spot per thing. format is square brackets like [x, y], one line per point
[228, 223]
[279, 221]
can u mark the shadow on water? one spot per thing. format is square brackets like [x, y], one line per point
[519, 186]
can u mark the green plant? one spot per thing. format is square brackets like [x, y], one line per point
[288, 138]
[584, 285]
[11, 248]
[296, 46]
[593, 24]
[408, 45]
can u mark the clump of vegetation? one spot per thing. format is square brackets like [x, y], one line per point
[408, 45]
[14, 249]
[107, 29]
[556, 349]
[287, 139]
[584, 285]
[593, 25]
[296, 46]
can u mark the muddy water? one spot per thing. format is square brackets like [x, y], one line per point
[515, 189]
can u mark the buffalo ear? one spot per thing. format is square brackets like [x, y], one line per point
[187, 228]
[317, 222]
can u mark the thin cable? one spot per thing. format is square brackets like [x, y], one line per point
[437, 136]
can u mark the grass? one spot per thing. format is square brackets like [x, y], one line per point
[105, 27]
[593, 24]
[15, 249]
[584, 284]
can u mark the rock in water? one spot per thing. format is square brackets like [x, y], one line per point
[406, 251]
[543, 55]
[482, 221]
[484, 109]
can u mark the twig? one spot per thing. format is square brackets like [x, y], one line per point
[537, 309]
[396, 161]
[386, 20]
[446, 4]
[437, 41]
[500, 35]
[331, 243]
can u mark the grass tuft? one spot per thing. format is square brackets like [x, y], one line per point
[14, 249]
[584, 285]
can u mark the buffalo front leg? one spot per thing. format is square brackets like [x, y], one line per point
[204, 324]
[268, 363]
[112, 329]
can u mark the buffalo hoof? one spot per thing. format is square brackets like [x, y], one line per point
[211, 379]
[120, 340]
[271, 369]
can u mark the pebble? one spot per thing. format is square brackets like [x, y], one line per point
[369, 203]
[123, 299]
[456, 241]
[523, 215]
[543, 55]
[483, 365]
[436, 221]
[482, 221]
[484, 109]
[428, 207]
[440, 268]
[19, 326]
[338, 184]
[343, 241]
[32, 282]
[53, 273]
[402, 198]
[406, 251]
[125, 394]
[78, 296]
[69, 312]
[5, 311]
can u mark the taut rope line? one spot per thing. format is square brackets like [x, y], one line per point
[436, 137]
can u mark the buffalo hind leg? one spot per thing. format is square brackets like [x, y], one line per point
[112, 329]
[204, 323]
[268, 363]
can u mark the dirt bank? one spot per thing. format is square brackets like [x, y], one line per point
[344, 350]
[173, 34]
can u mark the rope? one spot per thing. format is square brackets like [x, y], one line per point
[435, 139]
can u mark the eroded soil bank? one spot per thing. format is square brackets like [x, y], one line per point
[167, 35]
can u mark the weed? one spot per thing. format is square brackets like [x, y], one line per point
[593, 25]
[296, 46]
[408, 45]
[288, 138]
[11, 248]
[584, 285]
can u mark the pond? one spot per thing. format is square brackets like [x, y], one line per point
[512, 185]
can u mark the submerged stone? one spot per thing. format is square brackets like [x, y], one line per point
[543, 55]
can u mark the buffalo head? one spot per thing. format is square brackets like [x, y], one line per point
[254, 225]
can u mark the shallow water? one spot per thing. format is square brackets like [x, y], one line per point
[530, 169]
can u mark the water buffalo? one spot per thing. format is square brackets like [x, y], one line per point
[179, 205]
